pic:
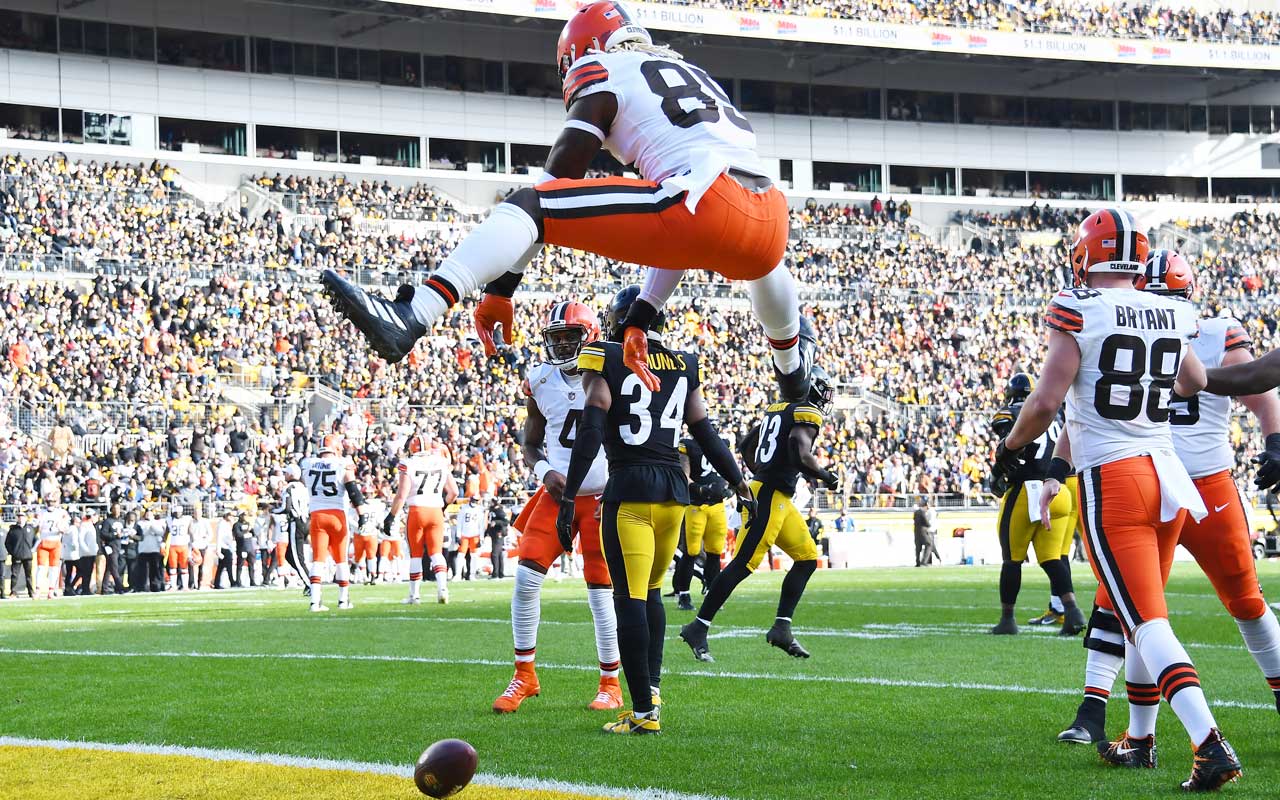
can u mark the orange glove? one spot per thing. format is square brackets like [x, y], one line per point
[493, 311]
[635, 355]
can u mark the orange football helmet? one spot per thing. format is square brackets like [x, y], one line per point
[1168, 273]
[596, 27]
[569, 326]
[418, 441]
[1109, 240]
[331, 443]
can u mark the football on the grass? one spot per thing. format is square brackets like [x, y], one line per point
[445, 768]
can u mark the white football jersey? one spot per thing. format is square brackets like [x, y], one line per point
[323, 476]
[1202, 425]
[178, 529]
[429, 471]
[1131, 347]
[673, 120]
[52, 522]
[375, 508]
[471, 519]
[561, 400]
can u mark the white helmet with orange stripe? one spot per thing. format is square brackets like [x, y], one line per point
[569, 326]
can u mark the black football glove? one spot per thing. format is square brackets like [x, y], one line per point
[1268, 462]
[387, 522]
[999, 483]
[746, 502]
[361, 519]
[1009, 461]
[564, 524]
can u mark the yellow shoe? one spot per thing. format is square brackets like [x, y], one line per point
[656, 696]
[524, 684]
[628, 722]
[609, 696]
[1050, 617]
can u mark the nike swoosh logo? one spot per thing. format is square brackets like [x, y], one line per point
[1124, 751]
[1217, 509]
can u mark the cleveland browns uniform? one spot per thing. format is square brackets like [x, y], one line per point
[330, 481]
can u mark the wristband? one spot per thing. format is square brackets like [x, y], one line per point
[541, 469]
[1059, 470]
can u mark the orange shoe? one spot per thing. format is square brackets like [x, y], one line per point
[609, 697]
[523, 684]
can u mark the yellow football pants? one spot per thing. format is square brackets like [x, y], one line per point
[705, 527]
[780, 523]
[1017, 531]
[639, 540]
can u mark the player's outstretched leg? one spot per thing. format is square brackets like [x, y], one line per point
[609, 693]
[1262, 638]
[504, 242]
[526, 613]
[1104, 643]
[793, 586]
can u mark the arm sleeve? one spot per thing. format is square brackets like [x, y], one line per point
[354, 494]
[585, 447]
[716, 451]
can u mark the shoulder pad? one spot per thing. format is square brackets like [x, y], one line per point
[1063, 314]
[584, 74]
[1236, 336]
[591, 357]
[805, 413]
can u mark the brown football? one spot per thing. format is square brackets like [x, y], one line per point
[445, 768]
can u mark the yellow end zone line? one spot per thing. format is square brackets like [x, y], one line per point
[142, 764]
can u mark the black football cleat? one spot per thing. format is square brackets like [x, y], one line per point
[1005, 627]
[683, 602]
[781, 638]
[1081, 733]
[1215, 764]
[1073, 622]
[388, 325]
[695, 635]
[1129, 752]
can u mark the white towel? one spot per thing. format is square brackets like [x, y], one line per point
[1177, 490]
[1033, 499]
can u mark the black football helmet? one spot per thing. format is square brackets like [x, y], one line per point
[822, 389]
[1019, 387]
[617, 313]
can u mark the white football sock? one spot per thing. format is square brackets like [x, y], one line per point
[659, 285]
[1142, 718]
[1100, 670]
[1262, 638]
[526, 611]
[1055, 603]
[441, 571]
[601, 602]
[504, 240]
[413, 587]
[1167, 660]
[340, 574]
[317, 582]
[777, 305]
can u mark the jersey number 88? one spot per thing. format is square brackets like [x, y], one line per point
[1123, 363]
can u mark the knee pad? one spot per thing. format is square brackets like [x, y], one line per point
[1104, 633]
[1247, 608]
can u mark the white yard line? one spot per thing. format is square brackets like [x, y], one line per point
[766, 676]
[501, 781]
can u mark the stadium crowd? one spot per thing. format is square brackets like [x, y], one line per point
[1068, 17]
[192, 390]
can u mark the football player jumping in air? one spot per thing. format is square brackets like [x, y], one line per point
[1021, 523]
[555, 402]
[1117, 355]
[777, 452]
[704, 202]
[646, 492]
[1220, 542]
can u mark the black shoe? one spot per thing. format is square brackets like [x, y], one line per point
[695, 635]
[683, 603]
[389, 326]
[1081, 732]
[1073, 622]
[1215, 764]
[1129, 752]
[1007, 626]
[780, 637]
[794, 386]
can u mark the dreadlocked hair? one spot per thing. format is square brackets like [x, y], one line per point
[659, 50]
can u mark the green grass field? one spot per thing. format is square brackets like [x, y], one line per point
[905, 695]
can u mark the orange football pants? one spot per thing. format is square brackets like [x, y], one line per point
[1129, 548]
[329, 535]
[49, 553]
[540, 544]
[425, 530]
[737, 232]
[365, 548]
[179, 556]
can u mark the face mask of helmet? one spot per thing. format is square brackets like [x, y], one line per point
[562, 344]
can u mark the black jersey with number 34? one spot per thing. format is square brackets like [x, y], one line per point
[643, 429]
[774, 462]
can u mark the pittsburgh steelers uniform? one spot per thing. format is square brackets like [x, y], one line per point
[774, 484]
[705, 525]
[1021, 502]
[645, 496]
